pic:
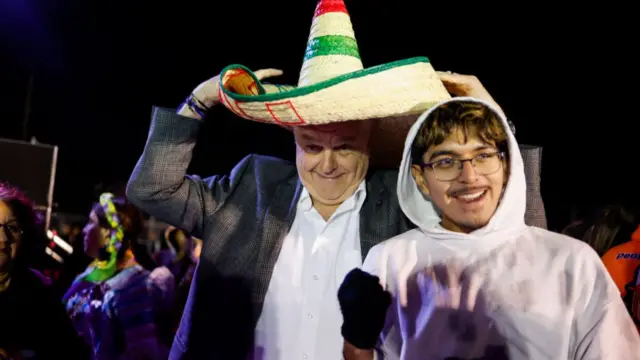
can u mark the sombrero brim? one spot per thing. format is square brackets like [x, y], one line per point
[401, 88]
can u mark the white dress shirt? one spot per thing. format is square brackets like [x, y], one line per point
[301, 317]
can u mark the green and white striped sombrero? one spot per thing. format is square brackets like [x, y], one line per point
[334, 86]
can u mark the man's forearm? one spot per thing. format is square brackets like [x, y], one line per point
[158, 184]
[351, 352]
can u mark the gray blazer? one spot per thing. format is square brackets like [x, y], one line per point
[243, 219]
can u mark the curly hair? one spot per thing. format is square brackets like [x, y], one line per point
[469, 117]
[23, 210]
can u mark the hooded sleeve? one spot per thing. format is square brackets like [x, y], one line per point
[379, 262]
[371, 263]
[602, 328]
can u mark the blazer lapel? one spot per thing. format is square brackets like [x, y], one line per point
[374, 221]
[277, 223]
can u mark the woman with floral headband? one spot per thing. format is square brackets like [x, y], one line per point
[121, 309]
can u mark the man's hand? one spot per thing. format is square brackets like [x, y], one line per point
[466, 85]
[207, 92]
[364, 305]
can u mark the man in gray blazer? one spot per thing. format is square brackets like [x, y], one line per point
[278, 237]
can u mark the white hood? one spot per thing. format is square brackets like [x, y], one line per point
[511, 210]
[484, 295]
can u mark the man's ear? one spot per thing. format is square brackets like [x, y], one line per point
[418, 176]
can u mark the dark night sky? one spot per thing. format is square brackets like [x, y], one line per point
[100, 66]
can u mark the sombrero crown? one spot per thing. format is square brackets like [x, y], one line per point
[334, 86]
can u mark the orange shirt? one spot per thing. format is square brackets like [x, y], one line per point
[622, 262]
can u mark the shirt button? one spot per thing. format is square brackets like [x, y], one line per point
[304, 356]
[315, 277]
[310, 315]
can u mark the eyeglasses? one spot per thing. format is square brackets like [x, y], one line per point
[450, 169]
[11, 230]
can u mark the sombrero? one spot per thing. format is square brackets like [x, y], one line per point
[334, 86]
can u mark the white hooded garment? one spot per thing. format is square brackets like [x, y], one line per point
[505, 291]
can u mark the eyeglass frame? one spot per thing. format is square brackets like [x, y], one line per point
[429, 165]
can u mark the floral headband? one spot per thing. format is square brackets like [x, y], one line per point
[105, 269]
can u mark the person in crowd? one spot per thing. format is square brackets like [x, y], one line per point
[183, 262]
[623, 263]
[576, 229]
[74, 264]
[33, 323]
[121, 309]
[609, 227]
[279, 237]
[473, 281]
[177, 253]
[178, 256]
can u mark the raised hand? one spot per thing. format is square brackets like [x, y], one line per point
[207, 93]
[466, 85]
[364, 305]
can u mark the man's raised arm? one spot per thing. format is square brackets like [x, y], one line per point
[159, 184]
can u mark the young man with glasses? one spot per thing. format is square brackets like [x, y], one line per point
[474, 281]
